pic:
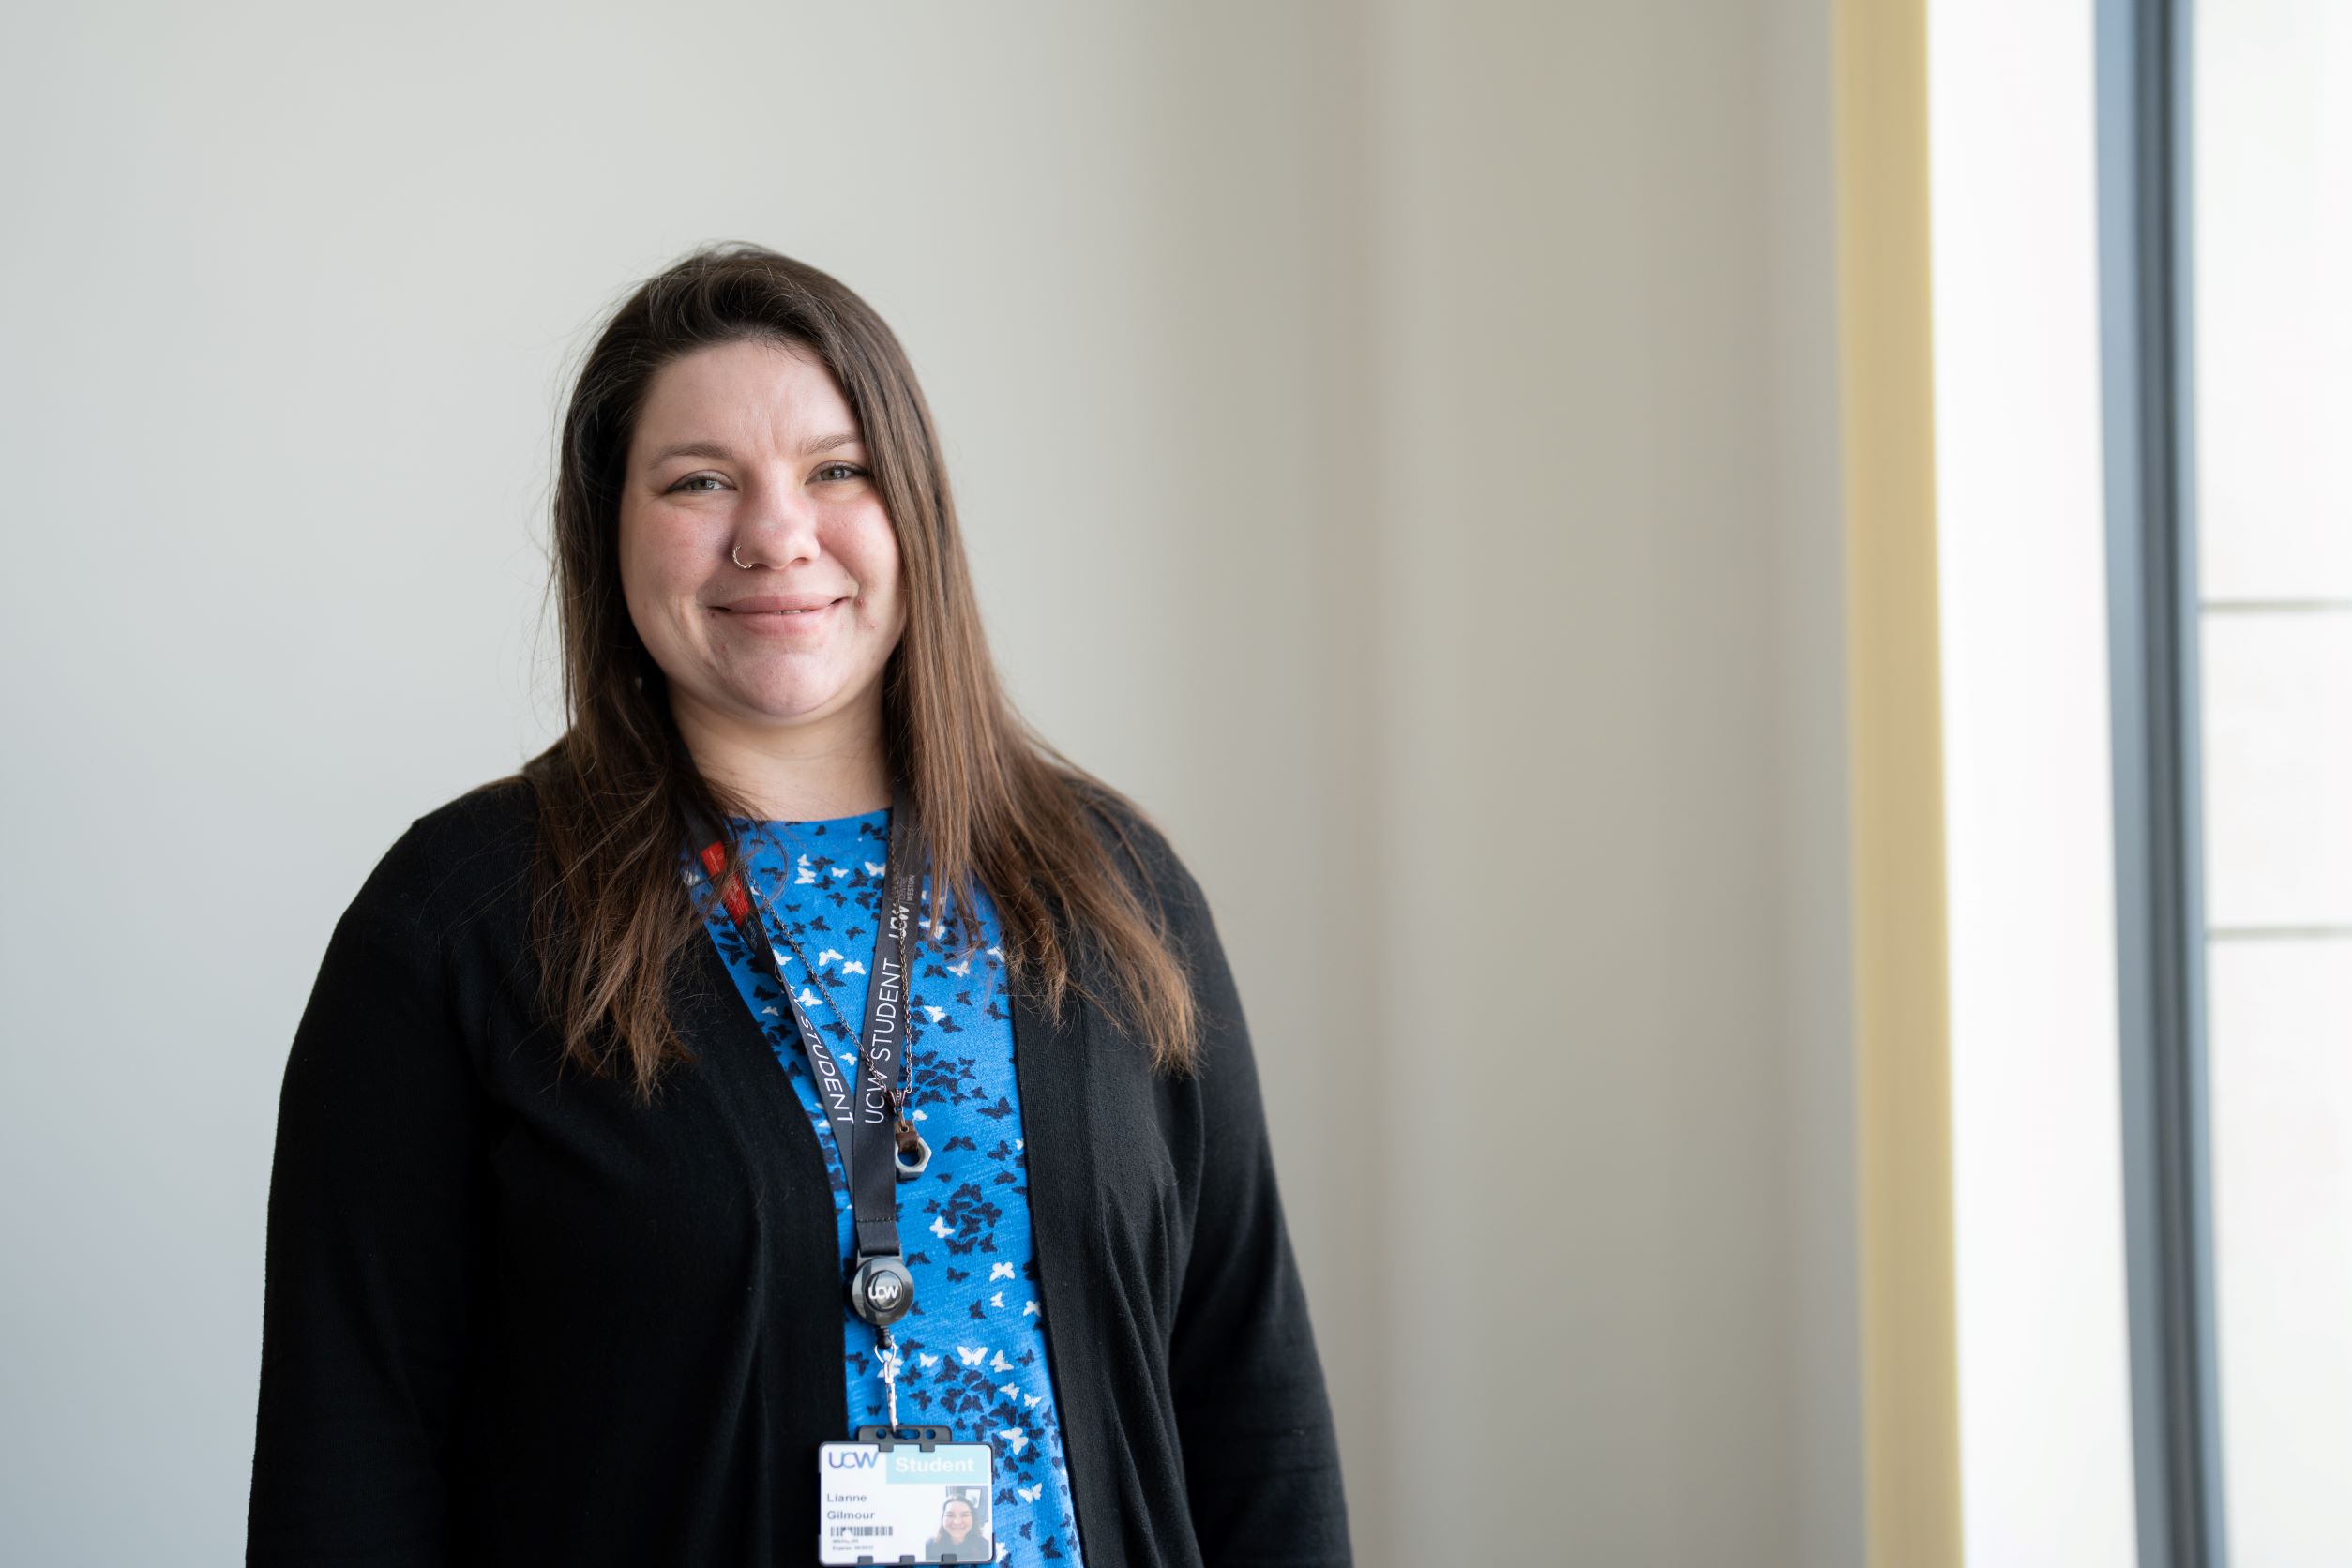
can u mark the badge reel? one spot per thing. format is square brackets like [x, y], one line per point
[901, 1493]
[882, 1290]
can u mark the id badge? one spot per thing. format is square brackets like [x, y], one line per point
[905, 1494]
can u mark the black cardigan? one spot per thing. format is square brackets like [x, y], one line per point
[511, 1317]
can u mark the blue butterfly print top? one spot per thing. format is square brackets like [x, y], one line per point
[973, 1348]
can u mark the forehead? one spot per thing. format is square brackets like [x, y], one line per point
[758, 395]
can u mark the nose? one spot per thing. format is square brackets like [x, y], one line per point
[776, 526]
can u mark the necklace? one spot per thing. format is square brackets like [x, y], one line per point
[912, 1152]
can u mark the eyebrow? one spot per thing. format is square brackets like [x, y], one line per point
[719, 452]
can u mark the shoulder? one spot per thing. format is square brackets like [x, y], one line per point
[1177, 907]
[444, 912]
[497, 821]
[460, 861]
[1140, 847]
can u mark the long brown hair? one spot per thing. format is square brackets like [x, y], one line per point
[613, 918]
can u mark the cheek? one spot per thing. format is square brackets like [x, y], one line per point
[654, 572]
[879, 566]
[635, 572]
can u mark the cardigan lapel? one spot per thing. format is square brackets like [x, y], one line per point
[793, 1192]
[1052, 1065]
[736, 1051]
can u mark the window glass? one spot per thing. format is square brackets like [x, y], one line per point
[2272, 204]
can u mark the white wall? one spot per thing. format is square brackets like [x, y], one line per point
[1611, 753]
[1422, 418]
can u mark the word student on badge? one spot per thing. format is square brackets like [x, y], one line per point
[798, 1114]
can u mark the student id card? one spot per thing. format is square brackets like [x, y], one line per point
[904, 1495]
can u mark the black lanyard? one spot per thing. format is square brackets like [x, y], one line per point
[860, 1101]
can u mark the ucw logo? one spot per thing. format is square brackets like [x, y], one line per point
[854, 1460]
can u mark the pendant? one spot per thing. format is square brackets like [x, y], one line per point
[914, 1155]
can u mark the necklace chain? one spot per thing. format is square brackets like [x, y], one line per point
[905, 1053]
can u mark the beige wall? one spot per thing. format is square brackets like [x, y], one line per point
[1529, 703]
[1397, 443]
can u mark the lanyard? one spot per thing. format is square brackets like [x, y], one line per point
[860, 1099]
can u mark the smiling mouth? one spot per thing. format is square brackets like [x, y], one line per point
[779, 612]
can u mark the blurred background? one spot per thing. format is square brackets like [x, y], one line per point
[1423, 452]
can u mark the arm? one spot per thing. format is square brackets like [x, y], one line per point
[1262, 1460]
[370, 1271]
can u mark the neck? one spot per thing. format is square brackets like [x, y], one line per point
[795, 772]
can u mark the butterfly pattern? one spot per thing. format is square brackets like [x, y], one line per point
[974, 1350]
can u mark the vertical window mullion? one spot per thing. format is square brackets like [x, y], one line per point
[2143, 199]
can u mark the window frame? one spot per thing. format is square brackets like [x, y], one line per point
[2144, 210]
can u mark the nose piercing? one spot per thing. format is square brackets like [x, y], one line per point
[735, 554]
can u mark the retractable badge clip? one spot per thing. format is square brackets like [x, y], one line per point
[882, 1290]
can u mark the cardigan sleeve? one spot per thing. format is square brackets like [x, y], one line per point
[370, 1257]
[1262, 1460]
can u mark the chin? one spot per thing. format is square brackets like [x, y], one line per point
[777, 688]
[794, 708]
[774, 693]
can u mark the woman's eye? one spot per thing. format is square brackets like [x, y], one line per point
[692, 481]
[841, 471]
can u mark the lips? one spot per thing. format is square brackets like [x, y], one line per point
[784, 620]
[781, 604]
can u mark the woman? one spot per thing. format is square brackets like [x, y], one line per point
[797, 1046]
[959, 1534]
